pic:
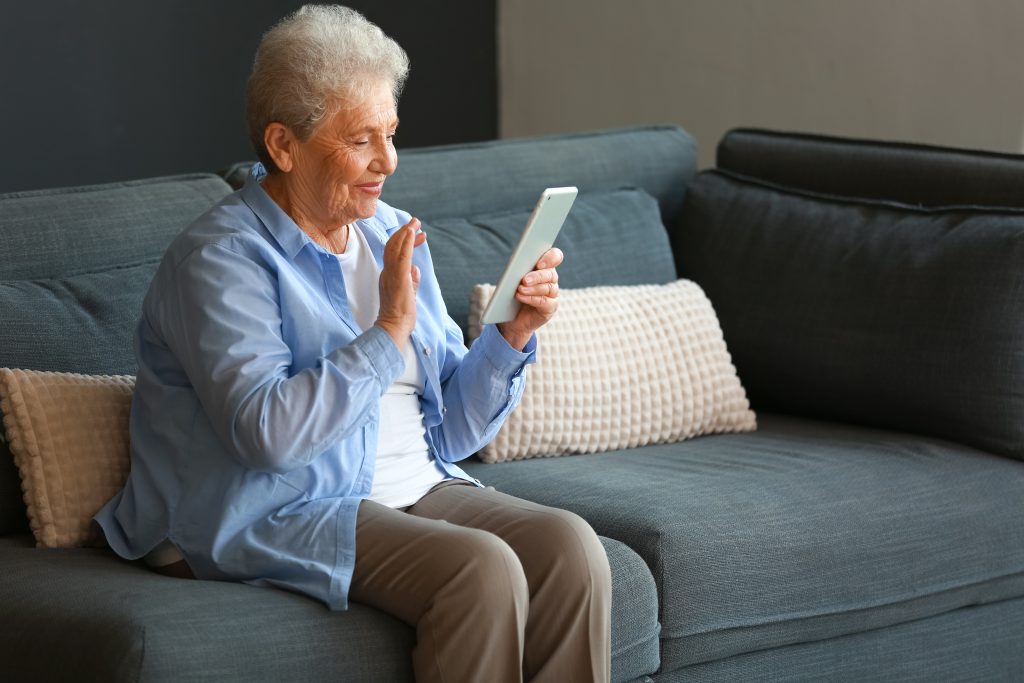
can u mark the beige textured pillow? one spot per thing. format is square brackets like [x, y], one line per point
[621, 367]
[69, 437]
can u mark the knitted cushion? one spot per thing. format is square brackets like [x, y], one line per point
[622, 367]
[69, 436]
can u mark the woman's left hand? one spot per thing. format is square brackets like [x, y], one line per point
[538, 294]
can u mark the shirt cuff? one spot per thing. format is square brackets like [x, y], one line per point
[383, 354]
[500, 353]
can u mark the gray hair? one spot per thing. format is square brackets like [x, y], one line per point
[311, 64]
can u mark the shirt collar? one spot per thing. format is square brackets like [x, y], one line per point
[279, 224]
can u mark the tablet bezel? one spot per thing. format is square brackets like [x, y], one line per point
[537, 237]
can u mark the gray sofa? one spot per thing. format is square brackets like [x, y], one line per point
[872, 528]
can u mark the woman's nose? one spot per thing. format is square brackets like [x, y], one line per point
[386, 159]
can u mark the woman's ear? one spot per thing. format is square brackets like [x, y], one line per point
[280, 143]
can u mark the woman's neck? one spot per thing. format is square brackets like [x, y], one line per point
[334, 241]
[332, 238]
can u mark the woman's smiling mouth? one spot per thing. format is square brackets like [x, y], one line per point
[372, 188]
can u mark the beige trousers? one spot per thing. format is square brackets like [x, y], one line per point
[497, 588]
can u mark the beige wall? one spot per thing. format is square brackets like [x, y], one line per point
[936, 71]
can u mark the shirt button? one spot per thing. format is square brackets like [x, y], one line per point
[426, 350]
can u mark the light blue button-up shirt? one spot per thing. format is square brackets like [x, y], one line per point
[257, 402]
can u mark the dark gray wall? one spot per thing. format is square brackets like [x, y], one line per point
[100, 91]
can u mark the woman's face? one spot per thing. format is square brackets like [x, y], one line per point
[338, 174]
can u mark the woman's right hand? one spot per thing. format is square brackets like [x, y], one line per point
[399, 281]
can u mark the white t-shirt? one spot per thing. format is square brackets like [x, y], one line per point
[405, 469]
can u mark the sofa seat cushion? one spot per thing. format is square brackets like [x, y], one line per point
[801, 531]
[83, 613]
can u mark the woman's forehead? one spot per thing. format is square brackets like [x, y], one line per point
[372, 120]
[376, 111]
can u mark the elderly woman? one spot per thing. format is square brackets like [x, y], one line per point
[302, 396]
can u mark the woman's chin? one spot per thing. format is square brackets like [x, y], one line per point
[365, 208]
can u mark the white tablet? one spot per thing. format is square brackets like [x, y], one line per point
[538, 236]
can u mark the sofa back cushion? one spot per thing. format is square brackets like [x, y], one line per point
[865, 311]
[76, 262]
[74, 266]
[53, 233]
